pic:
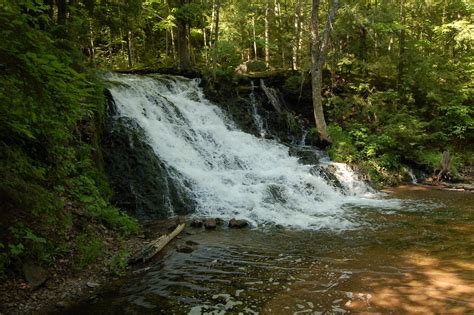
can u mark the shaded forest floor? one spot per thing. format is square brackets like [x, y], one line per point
[64, 285]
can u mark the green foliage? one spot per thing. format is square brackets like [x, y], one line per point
[293, 84]
[119, 262]
[343, 149]
[191, 13]
[4, 259]
[84, 190]
[27, 244]
[51, 109]
[256, 66]
[88, 248]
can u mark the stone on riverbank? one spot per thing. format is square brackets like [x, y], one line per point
[237, 224]
[210, 224]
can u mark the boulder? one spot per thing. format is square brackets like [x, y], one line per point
[210, 224]
[196, 223]
[35, 275]
[238, 224]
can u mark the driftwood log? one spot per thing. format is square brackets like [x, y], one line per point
[154, 247]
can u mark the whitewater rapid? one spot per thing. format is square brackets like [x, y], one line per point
[230, 173]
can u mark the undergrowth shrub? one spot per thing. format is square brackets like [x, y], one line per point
[51, 108]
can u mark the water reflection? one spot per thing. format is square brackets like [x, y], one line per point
[411, 261]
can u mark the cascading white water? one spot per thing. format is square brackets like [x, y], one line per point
[258, 120]
[230, 173]
[414, 181]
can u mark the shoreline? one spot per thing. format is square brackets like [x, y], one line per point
[65, 288]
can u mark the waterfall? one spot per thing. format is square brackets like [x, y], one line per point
[414, 181]
[258, 120]
[227, 172]
[303, 138]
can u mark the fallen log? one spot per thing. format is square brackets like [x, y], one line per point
[154, 247]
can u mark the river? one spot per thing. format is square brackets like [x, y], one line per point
[419, 259]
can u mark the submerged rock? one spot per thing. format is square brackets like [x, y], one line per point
[184, 249]
[238, 224]
[196, 223]
[210, 224]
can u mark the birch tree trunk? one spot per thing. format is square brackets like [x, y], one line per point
[91, 42]
[129, 49]
[296, 41]
[254, 38]
[318, 56]
[211, 28]
[267, 35]
[216, 41]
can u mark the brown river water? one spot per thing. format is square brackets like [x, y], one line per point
[417, 260]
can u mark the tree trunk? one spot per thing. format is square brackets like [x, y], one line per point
[254, 38]
[401, 47]
[173, 45]
[390, 43]
[91, 42]
[182, 47]
[212, 23]
[62, 11]
[216, 41]
[296, 41]
[204, 38]
[318, 55]
[109, 31]
[267, 35]
[129, 49]
[190, 47]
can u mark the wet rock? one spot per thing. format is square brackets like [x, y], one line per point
[184, 249]
[142, 270]
[238, 224]
[210, 224]
[92, 284]
[191, 243]
[219, 221]
[62, 304]
[196, 223]
[142, 183]
[35, 275]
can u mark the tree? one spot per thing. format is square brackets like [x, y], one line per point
[216, 40]
[183, 52]
[319, 48]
